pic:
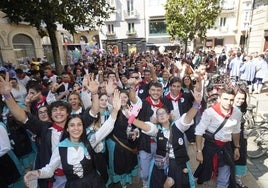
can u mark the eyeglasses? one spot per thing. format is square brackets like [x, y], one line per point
[136, 77]
[42, 112]
[161, 114]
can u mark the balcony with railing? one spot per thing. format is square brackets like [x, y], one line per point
[110, 34]
[130, 14]
[131, 33]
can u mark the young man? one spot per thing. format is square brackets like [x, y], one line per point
[49, 133]
[147, 145]
[217, 157]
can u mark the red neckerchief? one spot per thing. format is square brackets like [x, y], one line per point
[169, 97]
[57, 127]
[40, 102]
[150, 101]
[217, 108]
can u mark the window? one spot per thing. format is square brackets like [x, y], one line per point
[218, 42]
[222, 21]
[157, 27]
[23, 46]
[131, 28]
[130, 7]
[110, 28]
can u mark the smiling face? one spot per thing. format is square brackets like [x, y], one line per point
[59, 115]
[175, 88]
[43, 114]
[155, 92]
[124, 99]
[74, 101]
[239, 99]
[162, 116]
[75, 129]
[103, 101]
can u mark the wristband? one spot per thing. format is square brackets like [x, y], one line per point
[198, 151]
[131, 119]
[196, 105]
[7, 96]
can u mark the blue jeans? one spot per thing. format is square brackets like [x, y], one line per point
[223, 179]
[145, 161]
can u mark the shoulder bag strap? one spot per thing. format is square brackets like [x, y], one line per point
[222, 124]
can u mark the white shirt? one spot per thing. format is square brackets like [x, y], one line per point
[211, 120]
[74, 156]
[4, 141]
[19, 94]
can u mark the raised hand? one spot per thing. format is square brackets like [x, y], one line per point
[5, 85]
[90, 83]
[197, 96]
[110, 87]
[30, 98]
[117, 100]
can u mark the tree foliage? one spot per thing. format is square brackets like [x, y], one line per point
[187, 19]
[46, 14]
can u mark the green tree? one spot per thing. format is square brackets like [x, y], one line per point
[187, 19]
[46, 14]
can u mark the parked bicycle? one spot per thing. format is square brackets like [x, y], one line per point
[256, 132]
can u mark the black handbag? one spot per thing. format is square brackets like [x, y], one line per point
[209, 136]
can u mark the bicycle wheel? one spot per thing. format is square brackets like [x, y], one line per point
[257, 142]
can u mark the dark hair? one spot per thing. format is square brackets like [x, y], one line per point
[155, 84]
[35, 85]
[244, 106]
[174, 79]
[83, 137]
[191, 86]
[228, 90]
[58, 104]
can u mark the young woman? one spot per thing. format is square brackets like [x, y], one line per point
[170, 146]
[76, 103]
[122, 145]
[101, 154]
[240, 101]
[187, 84]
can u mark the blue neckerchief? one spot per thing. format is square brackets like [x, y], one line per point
[90, 133]
[67, 143]
[163, 129]
[106, 114]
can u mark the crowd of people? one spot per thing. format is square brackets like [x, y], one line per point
[120, 117]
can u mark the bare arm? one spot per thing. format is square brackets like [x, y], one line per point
[92, 85]
[196, 105]
[14, 108]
